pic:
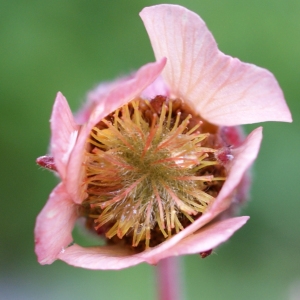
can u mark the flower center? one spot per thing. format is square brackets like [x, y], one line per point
[150, 172]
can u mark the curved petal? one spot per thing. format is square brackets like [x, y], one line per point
[99, 258]
[244, 156]
[205, 239]
[220, 88]
[64, 132]
[96, 96]
[127, 90]
[54, 224]
[158, 87]
[114, 257]
[121, 94]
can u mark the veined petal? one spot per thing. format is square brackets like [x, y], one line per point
[100, 258]
[64, 132]
[54, 225]
[121, 94]
[208, 237]
[220, 88]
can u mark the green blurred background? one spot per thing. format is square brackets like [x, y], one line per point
[70, 46]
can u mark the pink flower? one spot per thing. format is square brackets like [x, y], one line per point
[220, 89]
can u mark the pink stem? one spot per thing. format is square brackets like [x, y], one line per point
[168, 279]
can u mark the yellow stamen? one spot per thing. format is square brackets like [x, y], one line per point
[148, 173]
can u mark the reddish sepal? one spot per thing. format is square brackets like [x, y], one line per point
[46, 162]
[232, 135]
[206, 253]
[224, 155]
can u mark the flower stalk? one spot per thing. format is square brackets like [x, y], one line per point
[169, 279]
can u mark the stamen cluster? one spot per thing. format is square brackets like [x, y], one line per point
[149, 173]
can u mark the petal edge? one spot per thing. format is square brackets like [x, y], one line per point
[64, 132]
[54, 224]
[222, 89]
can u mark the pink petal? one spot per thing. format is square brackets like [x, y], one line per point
[96, 96]
[220, 88]
[205, 239]
[54, 225]
[123, 93]
[100, 258]
[127, 90]
[244, 156]
[158, 87]
[64, 133]
[114, 258]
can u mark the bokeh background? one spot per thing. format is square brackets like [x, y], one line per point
[69, 45]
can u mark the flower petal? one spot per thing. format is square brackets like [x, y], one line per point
[54, 225]
[64, 132]
[114, 257]
[96, 96]
[100, 258]
[127, 90]
[117, 97]
[158, 87]
[205, 239]
[244, 156]
[220, 88]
